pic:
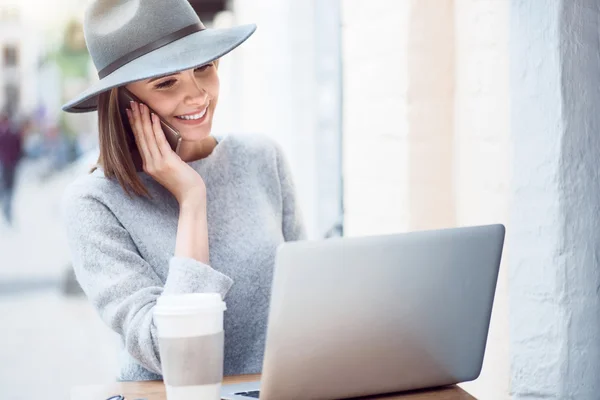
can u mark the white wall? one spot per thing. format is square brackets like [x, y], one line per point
[580, 205]
[376, 135]
[536, 317]
[555, 274]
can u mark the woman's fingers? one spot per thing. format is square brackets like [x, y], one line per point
[149, 134]
[136, 127]
[159, 134]
[150, 137]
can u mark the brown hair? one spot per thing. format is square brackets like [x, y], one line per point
[117, 144]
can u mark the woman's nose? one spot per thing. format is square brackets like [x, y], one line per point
[196, 91]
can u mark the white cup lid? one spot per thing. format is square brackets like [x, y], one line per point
[189, 303]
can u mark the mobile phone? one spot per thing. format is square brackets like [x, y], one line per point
[173, 136]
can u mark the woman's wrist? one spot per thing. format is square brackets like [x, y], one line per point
[193, 201]
[192, 233]
[192, 230]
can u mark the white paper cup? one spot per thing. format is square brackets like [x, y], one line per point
[190, 331]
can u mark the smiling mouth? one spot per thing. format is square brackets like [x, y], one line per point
[193, 117]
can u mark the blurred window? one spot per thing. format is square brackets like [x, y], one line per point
[9, 14]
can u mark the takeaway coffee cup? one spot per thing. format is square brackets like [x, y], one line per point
[190, 339]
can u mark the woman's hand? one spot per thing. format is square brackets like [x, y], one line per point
[160, 161]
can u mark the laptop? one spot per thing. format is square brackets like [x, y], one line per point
[353, 317]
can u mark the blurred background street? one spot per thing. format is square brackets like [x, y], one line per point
[50, 334]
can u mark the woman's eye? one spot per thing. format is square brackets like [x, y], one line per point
[203, 68]
[165, 84]
[171, 82]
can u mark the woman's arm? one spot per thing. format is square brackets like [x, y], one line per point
[192, 231]
[120, 284]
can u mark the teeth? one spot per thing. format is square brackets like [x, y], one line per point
[195, 116]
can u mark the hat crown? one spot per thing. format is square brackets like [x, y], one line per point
[115, 28]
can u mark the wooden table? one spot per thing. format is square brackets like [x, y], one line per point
[155, 390]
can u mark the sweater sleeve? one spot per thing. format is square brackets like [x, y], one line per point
[292, 219]
[120, 284]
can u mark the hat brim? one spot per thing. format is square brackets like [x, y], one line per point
[192, 51]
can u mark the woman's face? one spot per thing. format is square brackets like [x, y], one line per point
[187, 100]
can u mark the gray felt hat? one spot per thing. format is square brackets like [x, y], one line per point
[130, 40]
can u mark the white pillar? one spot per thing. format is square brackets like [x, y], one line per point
[553, 234]
[430, 114]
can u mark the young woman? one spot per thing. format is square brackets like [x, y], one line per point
[147, 220]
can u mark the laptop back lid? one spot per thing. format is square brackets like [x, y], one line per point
[354, 317]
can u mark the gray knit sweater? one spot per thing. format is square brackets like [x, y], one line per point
[122, 250]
